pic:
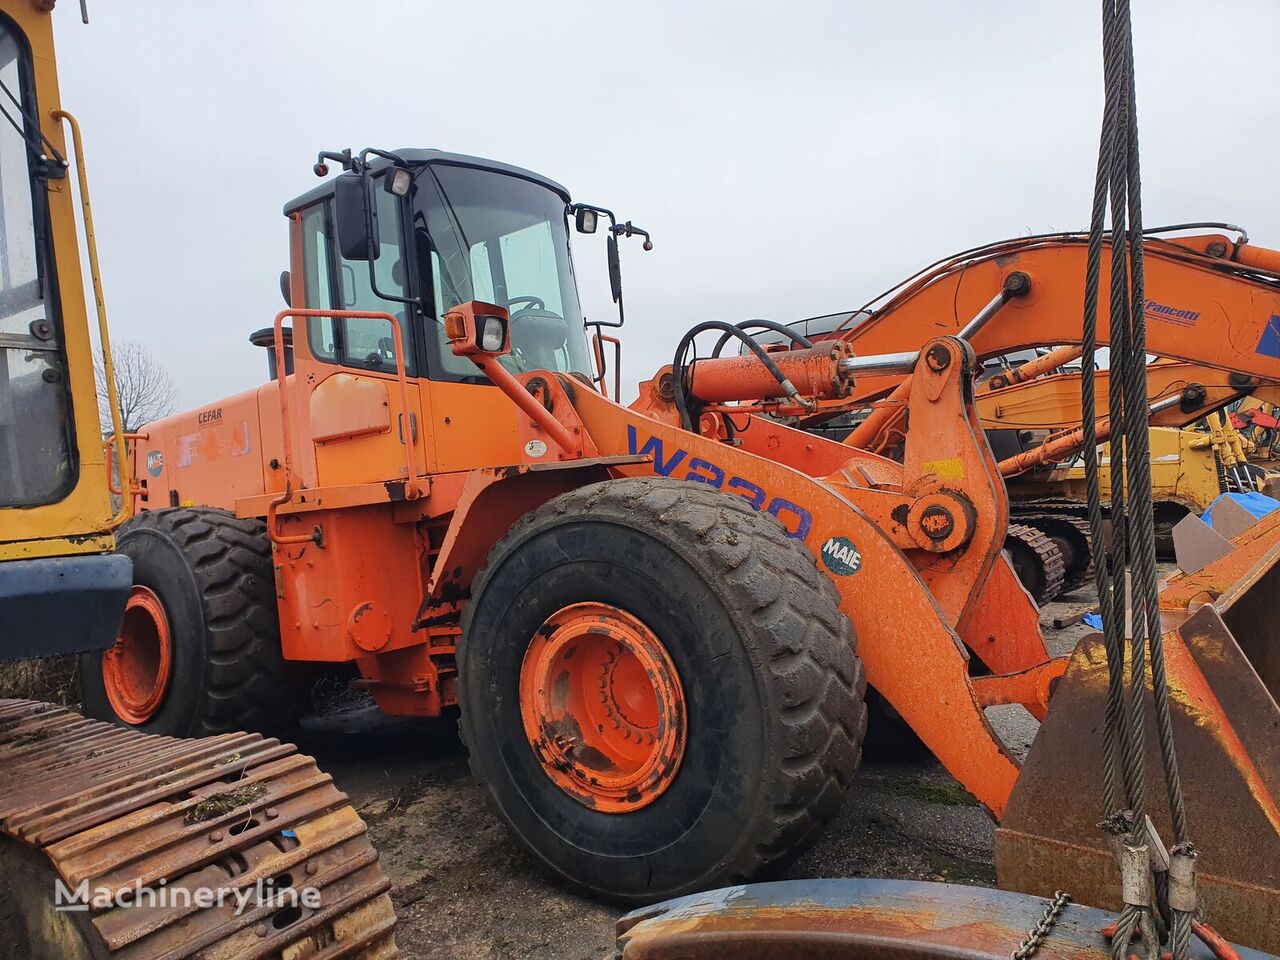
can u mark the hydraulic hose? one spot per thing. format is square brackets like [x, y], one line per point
[681, 389]
[762, 323]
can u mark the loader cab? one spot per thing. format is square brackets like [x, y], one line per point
[453, 229]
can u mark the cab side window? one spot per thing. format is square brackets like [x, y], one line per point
[335, 283]
[317, 270]
[368, 343]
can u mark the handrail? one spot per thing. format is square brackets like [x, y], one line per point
[412, 488]
[100, 304]
[107, 443]
[598, 340]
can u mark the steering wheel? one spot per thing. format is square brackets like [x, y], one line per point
[539, 334]
[535, 303]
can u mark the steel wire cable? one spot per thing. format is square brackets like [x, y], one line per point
[1133, 540]
[1144, 550]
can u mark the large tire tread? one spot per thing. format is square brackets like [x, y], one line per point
[248, 686]
[816, 684]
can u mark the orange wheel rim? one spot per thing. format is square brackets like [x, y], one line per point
[603, 707]
[136, 670]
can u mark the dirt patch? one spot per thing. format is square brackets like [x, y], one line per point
[215, 805]
[35, 736]
[52, 680]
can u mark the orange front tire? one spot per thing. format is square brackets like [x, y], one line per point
[659, 689]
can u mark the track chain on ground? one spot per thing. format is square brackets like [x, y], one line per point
[1053, 566]
[87, 802]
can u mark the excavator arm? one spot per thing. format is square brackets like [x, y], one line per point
[1211, 301]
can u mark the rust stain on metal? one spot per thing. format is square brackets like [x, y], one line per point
[838, 918]
[120, 810]
[1224, 723]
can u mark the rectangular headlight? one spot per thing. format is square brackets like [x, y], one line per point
[492, 333]
[398, 182]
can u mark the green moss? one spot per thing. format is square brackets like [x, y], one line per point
[944, 794]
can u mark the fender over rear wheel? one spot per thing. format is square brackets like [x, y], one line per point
[659, 689]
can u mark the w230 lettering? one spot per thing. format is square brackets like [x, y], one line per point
[796, 519]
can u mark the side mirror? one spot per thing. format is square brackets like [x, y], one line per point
[585, 220]
[356, 217]
[615, 269]
[286, 288]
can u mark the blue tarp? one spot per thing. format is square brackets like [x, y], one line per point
[1258, 504]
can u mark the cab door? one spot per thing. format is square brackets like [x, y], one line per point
[346, 369]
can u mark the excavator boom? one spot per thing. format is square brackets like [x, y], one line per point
[1208, 303]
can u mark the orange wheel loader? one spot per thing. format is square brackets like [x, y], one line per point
[656, 621]
[110, 840]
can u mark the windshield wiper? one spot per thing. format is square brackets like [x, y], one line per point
[55, 168]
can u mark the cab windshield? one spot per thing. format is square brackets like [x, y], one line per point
[501, 239]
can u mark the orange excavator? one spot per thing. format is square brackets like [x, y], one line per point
[658, 622]
[1199, 288]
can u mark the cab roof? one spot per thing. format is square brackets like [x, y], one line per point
[417, 157]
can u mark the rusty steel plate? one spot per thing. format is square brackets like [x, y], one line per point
[1227, 730]
[87, 803]
[861, 918]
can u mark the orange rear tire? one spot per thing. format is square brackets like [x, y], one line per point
[199, 649]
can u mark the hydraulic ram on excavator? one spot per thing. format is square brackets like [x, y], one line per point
[1220, 281]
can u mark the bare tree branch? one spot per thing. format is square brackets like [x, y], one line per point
[146, 389]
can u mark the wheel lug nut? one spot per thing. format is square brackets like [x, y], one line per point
[604, 698]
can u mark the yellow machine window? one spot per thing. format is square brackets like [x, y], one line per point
[37, 450]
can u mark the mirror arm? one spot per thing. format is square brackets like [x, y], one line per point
[393, 298]
[629, 229]
[573, 208]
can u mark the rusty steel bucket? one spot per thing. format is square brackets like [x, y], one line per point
[1222, 643]
[861, 918]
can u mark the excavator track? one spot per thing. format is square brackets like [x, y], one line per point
[1037, 561]
[157, 827]
[1071, 536]
[1168, 513]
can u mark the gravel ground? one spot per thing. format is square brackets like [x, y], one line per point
[464, 890]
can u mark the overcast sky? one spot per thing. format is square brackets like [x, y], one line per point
[790, 158]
